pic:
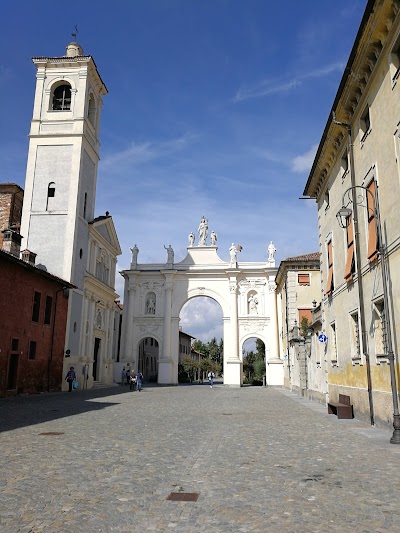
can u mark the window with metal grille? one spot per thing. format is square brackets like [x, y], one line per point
[350, 267]
[330, 284]
[380, 330]
[356, 344]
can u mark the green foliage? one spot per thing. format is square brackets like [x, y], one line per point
[304, 326]
[254, 364]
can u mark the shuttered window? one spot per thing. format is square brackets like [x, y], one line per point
[329, 283]
[372, 233]
[303, 279]
[350, 264]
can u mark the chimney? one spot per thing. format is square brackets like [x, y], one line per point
[28, 257]
[12, 242]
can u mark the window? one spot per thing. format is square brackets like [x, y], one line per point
[14, 345]
[380, 330]
[344, 164]
[365, 124]
[355, 331]
[32, 350]
[305, 319]
[303, 279]
[350, 263]
[156, 344]
[62, 98]
[92, 110]
[47, 310]
[36, 307]
[51, 193]
[329, 283]
[373, 244]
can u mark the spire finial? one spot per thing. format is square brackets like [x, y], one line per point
[75, 34]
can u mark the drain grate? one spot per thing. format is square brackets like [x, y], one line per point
[47, 433]
[183, 496]
[227, 414]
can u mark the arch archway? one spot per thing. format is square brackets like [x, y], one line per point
[201, 273]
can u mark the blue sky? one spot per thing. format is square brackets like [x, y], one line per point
[215, 107]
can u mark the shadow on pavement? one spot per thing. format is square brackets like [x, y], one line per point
[27, 410]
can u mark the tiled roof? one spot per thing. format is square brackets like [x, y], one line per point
[314, 256]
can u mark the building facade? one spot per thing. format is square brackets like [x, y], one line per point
[33, 317]
[298, 287]
[357, 166]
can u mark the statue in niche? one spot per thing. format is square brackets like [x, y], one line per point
[170, 254]
[99, 319]
[191, 239]
[253, 303]
[213, 238]
[151, 304]
[233, 254]
[271, 252]
[135, 251]
[203, 231]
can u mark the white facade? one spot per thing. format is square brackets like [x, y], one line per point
[59, 202]
[156, 293]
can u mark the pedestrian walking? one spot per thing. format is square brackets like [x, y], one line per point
[132, 384]
[211, 377]
[139, 379]
[70, 378]
[123, 376]
[128, 374]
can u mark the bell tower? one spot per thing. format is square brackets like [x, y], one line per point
[63, 156]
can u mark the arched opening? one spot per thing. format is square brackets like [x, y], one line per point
[61, 100]
[92, 110]
[253, 355]
[148, 353]
[51, 194]
[201, 345]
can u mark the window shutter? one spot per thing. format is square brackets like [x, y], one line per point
[349, 268]
[303, 279]
[329, 284]
[372, 233]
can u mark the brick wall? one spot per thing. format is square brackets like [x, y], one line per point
[18, 284]
[11, 199]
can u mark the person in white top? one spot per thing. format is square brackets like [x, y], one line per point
[211, 376]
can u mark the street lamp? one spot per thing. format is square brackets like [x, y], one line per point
[343, 217]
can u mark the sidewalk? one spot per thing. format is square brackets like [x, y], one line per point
[259, 459]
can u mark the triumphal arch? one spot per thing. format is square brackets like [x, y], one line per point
[155, 294]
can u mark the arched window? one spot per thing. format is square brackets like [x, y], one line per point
[92, 110]
[62, 98]
[51, 193]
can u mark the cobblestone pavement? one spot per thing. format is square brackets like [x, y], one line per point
[261, 460]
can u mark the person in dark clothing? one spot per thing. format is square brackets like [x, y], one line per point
[70, 378]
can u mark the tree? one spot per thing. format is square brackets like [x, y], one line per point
[304, 326]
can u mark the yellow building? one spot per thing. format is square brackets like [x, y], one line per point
[357, 166]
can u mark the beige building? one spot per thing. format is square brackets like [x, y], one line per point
[358, 156]
[298, 288]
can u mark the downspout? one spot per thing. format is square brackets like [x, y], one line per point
[364, 336]
[52, 339]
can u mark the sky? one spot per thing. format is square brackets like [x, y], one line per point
[215, 108]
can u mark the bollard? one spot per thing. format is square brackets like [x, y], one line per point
[264, 381]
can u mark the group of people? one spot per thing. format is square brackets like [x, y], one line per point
[132, 378]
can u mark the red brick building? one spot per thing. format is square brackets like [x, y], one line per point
[11, 199]
[33, 315]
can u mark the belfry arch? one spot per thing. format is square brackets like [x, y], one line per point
[155, 294]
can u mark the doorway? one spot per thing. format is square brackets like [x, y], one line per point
[97, 342]
[12, 372]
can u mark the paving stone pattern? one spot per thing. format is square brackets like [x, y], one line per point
[261, 460]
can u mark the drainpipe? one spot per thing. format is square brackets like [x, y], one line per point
[364, 336]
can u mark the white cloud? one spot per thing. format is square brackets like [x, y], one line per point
[269, 87]
[303, 162]
[202, 318]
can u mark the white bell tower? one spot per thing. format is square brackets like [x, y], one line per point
[63, 156]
